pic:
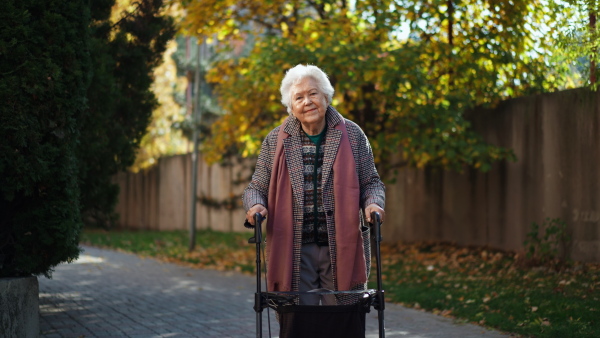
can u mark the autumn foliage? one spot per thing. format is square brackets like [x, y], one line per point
[406, 71]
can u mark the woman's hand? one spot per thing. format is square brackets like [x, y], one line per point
[374, 207]
[257, 208]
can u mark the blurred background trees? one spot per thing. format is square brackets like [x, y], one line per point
[578, 37]
[127, 42]
[406, 71]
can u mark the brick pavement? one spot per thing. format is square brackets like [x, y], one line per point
[113, 294]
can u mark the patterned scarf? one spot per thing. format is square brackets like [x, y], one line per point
[350, 258]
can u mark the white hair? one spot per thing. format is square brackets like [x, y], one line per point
[294, 75]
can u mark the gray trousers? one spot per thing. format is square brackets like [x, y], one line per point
[315, 273]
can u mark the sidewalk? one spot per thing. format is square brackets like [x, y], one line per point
[107, 293]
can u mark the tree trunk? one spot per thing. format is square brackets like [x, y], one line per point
[592, 57]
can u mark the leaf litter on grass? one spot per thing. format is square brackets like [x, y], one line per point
[493, 288]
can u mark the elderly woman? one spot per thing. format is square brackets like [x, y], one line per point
[314, 178]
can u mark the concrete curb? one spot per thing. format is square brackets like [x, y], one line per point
[19, 303]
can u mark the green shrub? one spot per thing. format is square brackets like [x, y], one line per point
[548, 243]
[44, 67]
[76, 100]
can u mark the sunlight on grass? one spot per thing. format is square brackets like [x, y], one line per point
[214, 250]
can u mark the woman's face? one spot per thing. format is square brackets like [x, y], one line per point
[309, 105]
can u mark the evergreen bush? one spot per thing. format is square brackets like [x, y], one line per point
[44, 75]
[76, 100]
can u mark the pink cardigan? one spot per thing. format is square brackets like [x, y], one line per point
[351, 266]
[281, 152]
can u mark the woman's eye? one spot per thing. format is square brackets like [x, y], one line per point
[313, 93]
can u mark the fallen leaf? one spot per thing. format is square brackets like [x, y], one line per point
[447, 313]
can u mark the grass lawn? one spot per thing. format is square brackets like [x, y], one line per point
[475, 285]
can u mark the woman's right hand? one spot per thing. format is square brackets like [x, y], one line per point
[257, 208]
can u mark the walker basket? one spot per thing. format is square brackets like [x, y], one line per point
[326, 321]
[316, 321]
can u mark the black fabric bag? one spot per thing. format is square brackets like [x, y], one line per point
[316, 321]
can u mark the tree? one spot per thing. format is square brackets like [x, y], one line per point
[44, 74]
[77, 100]
[121, 102]
[405, 70]
[579, 37]
[162, 138]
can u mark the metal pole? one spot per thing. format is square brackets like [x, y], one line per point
[195, 120]
[258, 304]
[380, 294]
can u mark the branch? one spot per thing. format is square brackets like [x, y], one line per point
[15, 69]
[128, 15]
[320, 9]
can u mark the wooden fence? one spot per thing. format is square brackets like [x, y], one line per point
[556, 138]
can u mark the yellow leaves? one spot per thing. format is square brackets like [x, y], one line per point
[288, 9]
[284, 29]
[422, 159]
[251, 145]
[222, 34]
[161, 139]
[371, 76]
[375, 74]
[307, 25]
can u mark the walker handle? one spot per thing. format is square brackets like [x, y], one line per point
[258, 301]
[380, 303]
[258, 219]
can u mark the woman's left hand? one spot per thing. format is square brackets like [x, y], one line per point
[374, 207]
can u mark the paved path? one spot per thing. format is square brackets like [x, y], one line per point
[107, 293]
